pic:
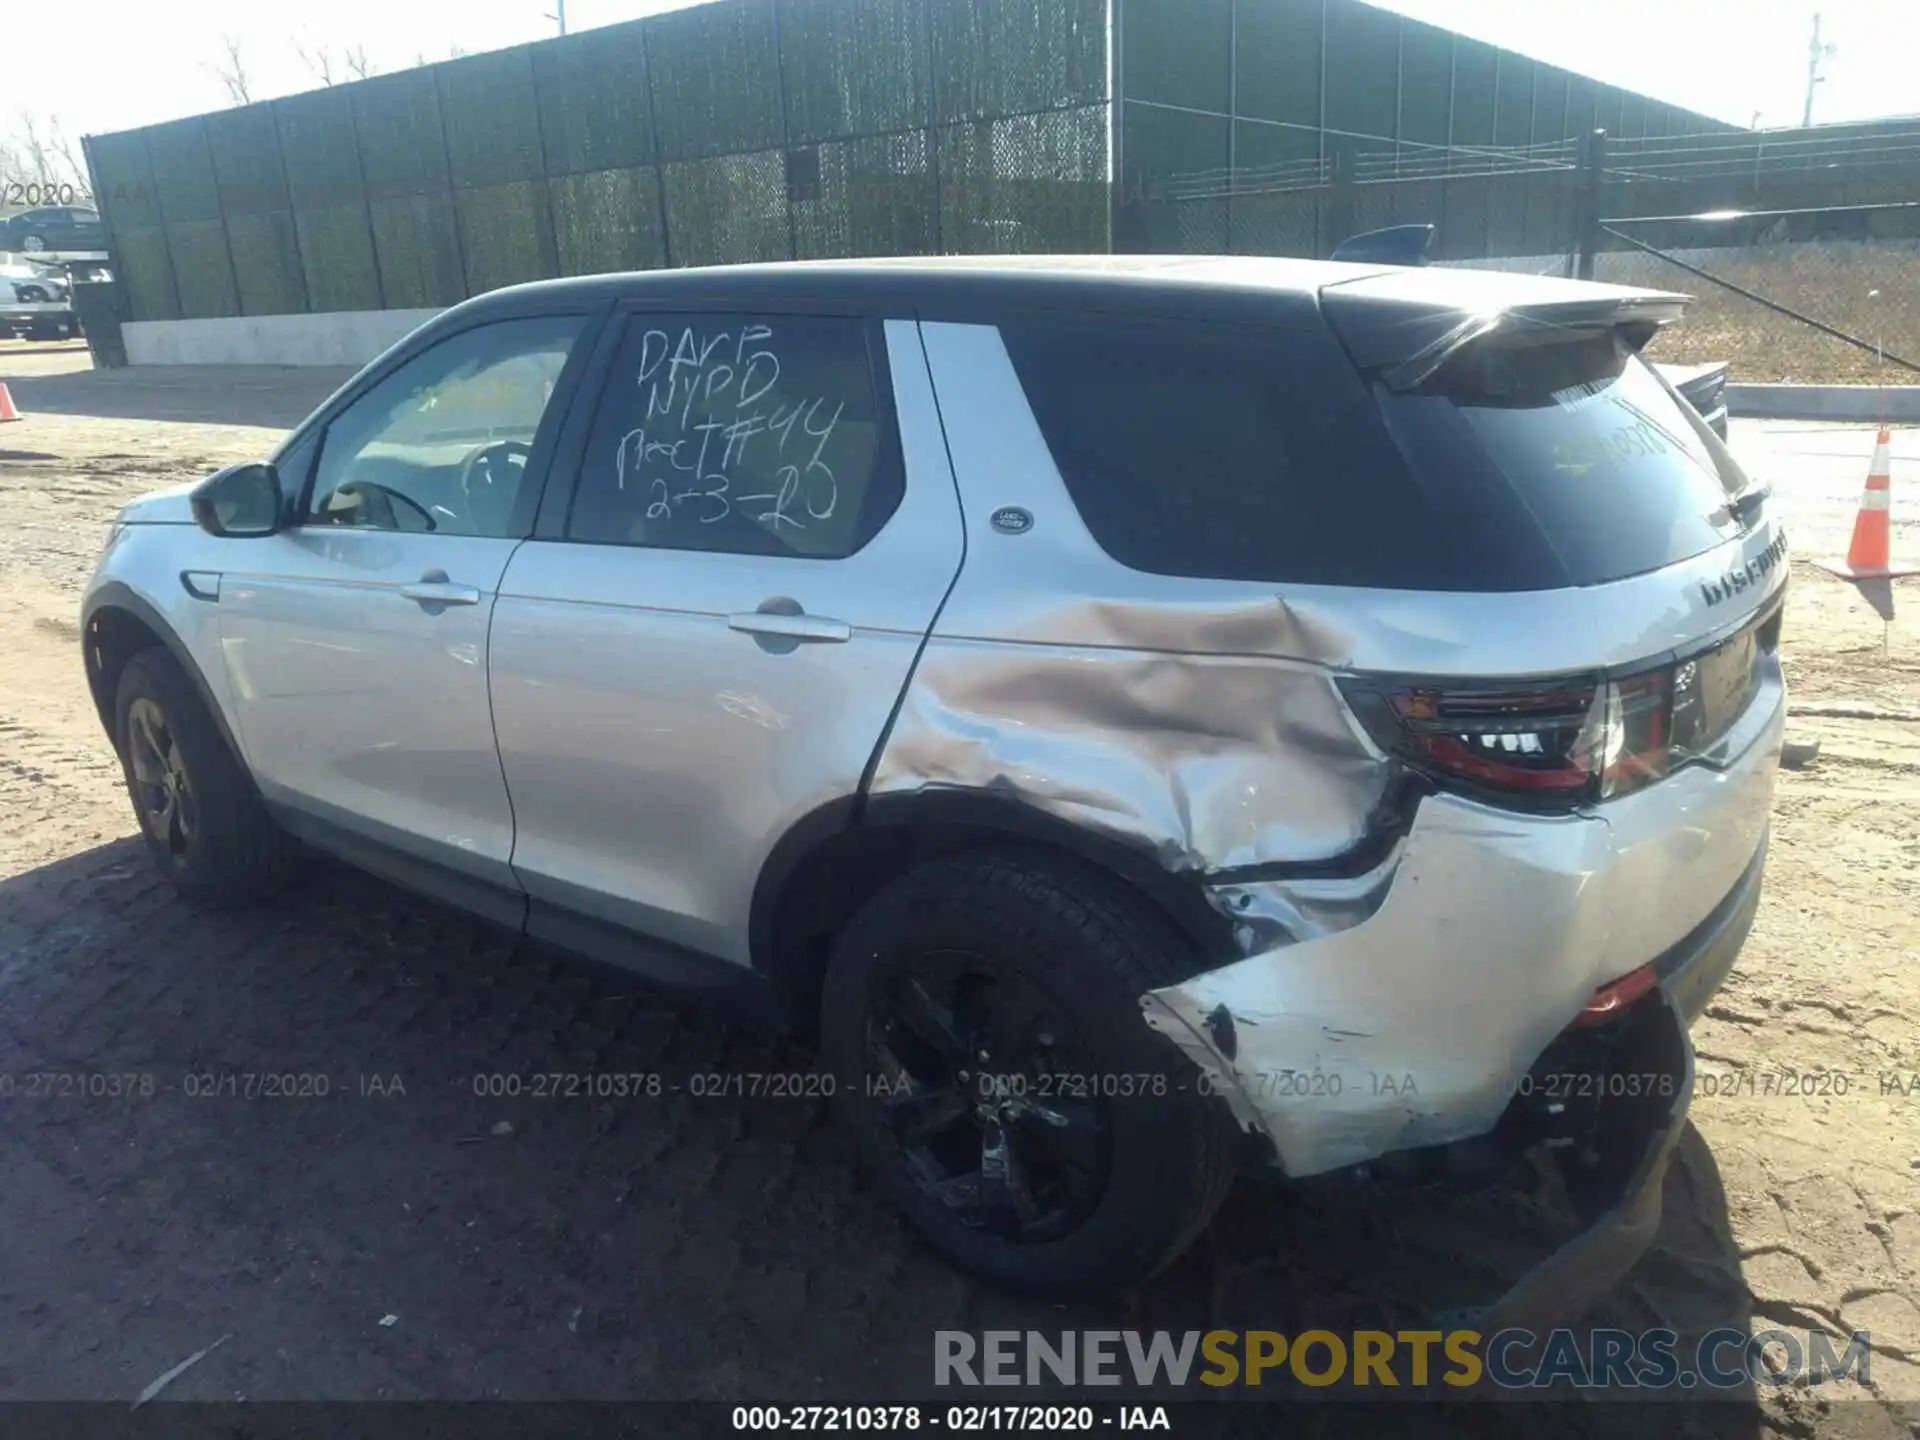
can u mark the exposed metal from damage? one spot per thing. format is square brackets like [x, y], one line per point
[1210, 762]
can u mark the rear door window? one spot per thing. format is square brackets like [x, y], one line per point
[1620, 474]
[756, 434]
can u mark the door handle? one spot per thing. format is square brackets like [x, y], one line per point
[433, 588]
[816, 628]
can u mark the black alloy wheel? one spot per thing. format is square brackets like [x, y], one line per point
[977, 1076]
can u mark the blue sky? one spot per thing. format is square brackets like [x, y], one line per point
[1727, 57]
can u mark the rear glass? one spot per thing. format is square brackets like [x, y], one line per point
[1619, 473]
[1256, 453]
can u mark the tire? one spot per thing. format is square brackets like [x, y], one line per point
[212, 838]
[1081, 948]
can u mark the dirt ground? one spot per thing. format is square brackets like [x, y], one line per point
[434, 1244]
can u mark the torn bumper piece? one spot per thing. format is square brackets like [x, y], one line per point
[1416, 1027]
[1612, 1155]
[1605, 1101]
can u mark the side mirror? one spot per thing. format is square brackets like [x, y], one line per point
[239, 502]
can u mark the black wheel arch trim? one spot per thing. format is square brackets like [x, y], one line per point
[963, 819]
[115, 595]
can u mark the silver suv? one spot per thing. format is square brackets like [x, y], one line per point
[1144, 717]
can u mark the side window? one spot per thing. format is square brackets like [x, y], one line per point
[442, 443]
[757, 435]
[1224, 452]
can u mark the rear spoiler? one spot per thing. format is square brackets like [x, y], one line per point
[1404, 325]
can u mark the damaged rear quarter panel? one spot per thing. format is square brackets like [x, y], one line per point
[1195, 719]
[1209, 762]
[1199, 720]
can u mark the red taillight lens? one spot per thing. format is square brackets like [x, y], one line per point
[1609, 1000]
[1552, 743]
[1508, 739]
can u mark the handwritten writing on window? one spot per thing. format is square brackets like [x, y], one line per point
[723, 430]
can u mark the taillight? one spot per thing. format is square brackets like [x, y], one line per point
[1610, 999]
[1547, 744]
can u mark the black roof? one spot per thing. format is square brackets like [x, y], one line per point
[984, 286]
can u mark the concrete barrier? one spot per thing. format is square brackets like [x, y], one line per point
[1853, 404]
[342, 337]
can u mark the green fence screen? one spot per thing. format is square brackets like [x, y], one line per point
[780, 129]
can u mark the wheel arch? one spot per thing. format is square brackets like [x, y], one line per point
[117, 625]
[836, 858]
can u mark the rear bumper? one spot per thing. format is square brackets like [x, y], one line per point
[1630, 1137]
[1617, 1194]
[1435, 1038]
[1415, 1027]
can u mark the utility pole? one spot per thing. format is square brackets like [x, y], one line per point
[559, 14]
[1816, 52]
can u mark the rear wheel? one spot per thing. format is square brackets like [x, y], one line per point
[199, 814]
[982, 1020]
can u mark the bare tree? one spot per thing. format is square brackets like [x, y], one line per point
[72, 164]
[232, 72]
[331, 67]
[319, 60]
[38, 153]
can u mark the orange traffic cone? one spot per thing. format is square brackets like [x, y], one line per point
[1870, 556]
[7, 412]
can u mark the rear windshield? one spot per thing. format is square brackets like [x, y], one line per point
[1620, 475]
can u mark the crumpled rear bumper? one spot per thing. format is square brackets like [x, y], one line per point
[1613, 1174]
[1414, 1026]
[1607, 1102]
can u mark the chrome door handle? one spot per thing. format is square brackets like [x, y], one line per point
[433, 588]
[816, 628]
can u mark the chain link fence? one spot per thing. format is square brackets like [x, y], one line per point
[1801, 248]
[1778, 310]
[1514, 208]
[737, 131]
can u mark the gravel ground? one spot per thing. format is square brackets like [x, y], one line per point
[721, 1248]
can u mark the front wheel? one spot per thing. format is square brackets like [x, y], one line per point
[982, 1019]
[202, 820]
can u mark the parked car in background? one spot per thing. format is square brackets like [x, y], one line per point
[1704, 387]
[1145, 715]
[35, 301]
[54, 229]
